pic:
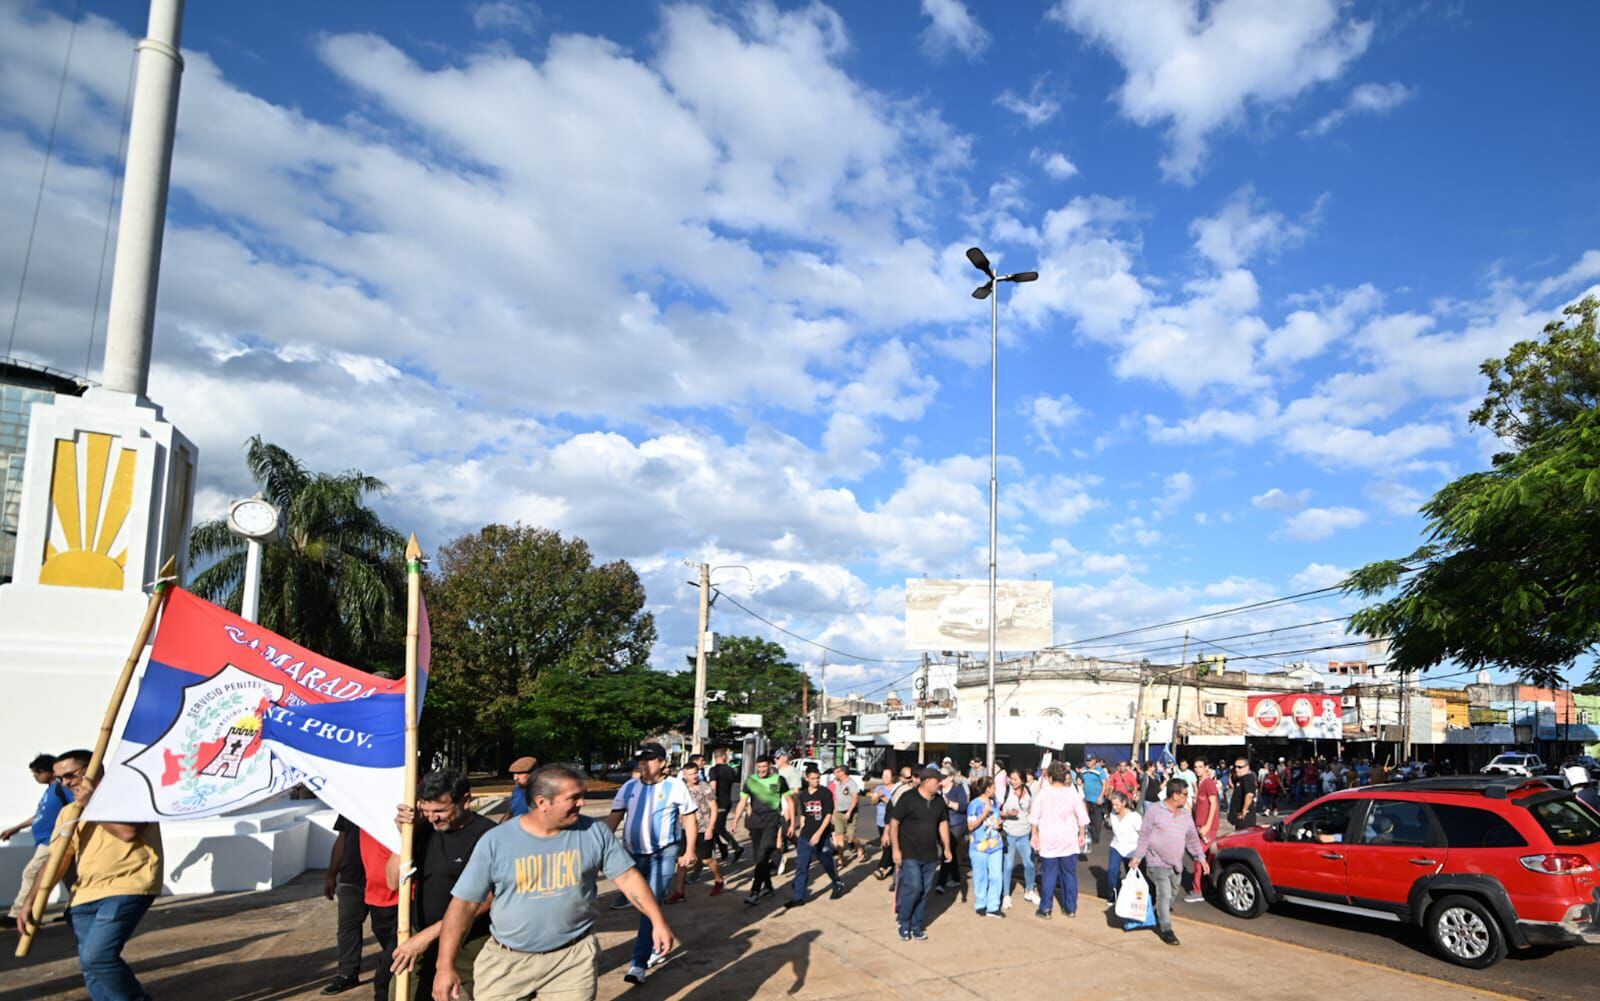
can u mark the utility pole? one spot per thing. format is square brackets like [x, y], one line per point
[697, 743]
[922, 710]
[1183, 669]
[822, 713]
[805, 710]
[1138, 720]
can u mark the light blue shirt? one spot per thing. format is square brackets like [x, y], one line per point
[652, 813]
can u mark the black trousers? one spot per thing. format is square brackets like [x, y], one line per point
[723, 838]
[386, 929]
[352, 915]
[1097, 819]
[950, 870]
[763, 842]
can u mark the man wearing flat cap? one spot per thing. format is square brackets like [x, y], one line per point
[521, 769]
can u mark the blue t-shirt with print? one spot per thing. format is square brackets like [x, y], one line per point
[1094, 782]
[55, 797]
[986, 837]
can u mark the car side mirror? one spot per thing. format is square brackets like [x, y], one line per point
[1273, 833]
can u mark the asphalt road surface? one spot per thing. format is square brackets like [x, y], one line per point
[1539, 975]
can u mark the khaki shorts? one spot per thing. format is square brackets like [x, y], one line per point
[566, 974]
[41, 855]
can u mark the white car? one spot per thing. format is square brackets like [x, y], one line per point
[1514, 764]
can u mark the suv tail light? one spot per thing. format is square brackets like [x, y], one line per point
[1556, 864]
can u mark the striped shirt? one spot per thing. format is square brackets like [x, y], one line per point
[652, 813]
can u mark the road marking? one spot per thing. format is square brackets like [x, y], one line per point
[1364, 962]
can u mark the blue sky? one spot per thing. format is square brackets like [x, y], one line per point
[687, 280]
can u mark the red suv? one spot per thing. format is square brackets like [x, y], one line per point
[1481, 863]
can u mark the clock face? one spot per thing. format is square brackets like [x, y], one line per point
[254, 518]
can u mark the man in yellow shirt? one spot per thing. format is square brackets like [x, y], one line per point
[118, 878]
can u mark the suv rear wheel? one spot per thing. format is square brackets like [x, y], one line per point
[1465, 932]
[1240, 891]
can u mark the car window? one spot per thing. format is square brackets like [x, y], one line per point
[1396, 822]
[1567, 821]
[1470, 827]
[1325, 823]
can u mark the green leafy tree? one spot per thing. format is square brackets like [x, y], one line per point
[531, 640]
[1507, 575]
[333, 581]
[759, 678]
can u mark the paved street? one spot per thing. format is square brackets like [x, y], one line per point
[277, 945]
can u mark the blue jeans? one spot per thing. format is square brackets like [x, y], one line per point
[987, 883]
[804, 852]
[1114, 870]
[102, 927]
[915, 885]
[1060, 878]
[657, 870]
[1018, 846]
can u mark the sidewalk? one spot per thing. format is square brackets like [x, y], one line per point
[277, 945]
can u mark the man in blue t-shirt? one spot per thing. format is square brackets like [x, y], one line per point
[1094, 796]
[521, 771]
[542, 869]
[40, 825]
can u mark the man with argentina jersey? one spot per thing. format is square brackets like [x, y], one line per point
[650, 809]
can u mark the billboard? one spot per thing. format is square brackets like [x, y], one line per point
[954, 614]
[1298, 715]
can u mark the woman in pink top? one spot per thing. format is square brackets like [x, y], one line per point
[1060, 831]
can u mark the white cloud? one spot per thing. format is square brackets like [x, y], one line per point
[1317, 576]
[1048, 416]
[1243, 426]
[1242, 230]
[1396, 498]
[1037, 108]
[1316, 523]
[1277, 500]
[1366, 99]
[1335, 445]
[1199, 68]
[1054, 164]
[1176, 491]
[952, 29]
[505, 16]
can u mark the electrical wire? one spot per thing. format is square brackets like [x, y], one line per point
[1175, 643]
[1220, 613]
[805, 639]
[38, 198]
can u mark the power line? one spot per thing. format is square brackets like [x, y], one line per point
[1220, 613]
[1166, 645]
[805, 639]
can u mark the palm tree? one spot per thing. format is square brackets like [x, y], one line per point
[334, 581]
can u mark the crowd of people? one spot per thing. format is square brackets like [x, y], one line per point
[506, 909]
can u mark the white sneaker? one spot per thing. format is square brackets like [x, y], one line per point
[781, 863]
[1005, 905]
[1031, 897]
[655, 960]
[635, 975]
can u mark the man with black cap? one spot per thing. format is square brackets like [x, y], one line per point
[919, 831]
[651, 809]
[520, 771]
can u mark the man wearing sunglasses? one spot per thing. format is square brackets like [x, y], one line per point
[1242, 804]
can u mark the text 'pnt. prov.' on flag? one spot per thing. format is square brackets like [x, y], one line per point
[228, 714]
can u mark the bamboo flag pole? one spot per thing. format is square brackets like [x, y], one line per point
[407, 831]
[68, 820]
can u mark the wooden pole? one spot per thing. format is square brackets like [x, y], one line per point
[68, 820]
[407, 831]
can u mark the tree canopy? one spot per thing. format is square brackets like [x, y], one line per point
[1507, 575]
[333, 581]
[759, 678]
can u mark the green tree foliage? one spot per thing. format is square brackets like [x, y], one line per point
[1540, 386]
[334, 580]
[536, 648]
[759, 678]
[1507, 577]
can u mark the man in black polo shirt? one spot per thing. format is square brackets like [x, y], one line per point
[1242, 805]
[724, 780]
[440, 848]
[919, 831]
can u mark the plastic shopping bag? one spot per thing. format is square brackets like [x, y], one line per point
[1148, 921]
[1133, 897]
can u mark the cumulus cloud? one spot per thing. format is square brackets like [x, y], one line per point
[1037, 108]
[1317, 576]
[1055, 165]
[1278, 500]
[1244, 229]
[1316, 523]
[1199, 68]
[1366, 99]
[1048, 416]
[952, 29]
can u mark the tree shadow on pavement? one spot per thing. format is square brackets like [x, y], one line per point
[63, 947]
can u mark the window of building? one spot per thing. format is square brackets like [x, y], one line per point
[1215, 709]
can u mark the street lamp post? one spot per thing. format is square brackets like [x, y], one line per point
[985, 291]
[254, 520]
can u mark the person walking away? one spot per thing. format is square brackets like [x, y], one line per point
[956, 799]
[707, 816]
[1207, 819]
[1271, 790]
[846, 800]
[650, 810]
[1152, 785]
[1094, 797]
[346, 882]
[117, 877]
[1125, 823]
[810, 829]
[539, 874]
[441, 845]
[725, 781]
[885, 794]
[919, 830]
[521, 770]
[1166, 835]
[986, 846]
[1015, 824]
[764, 805]
[1060, 829]
[1242, 805]
[39, 826]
